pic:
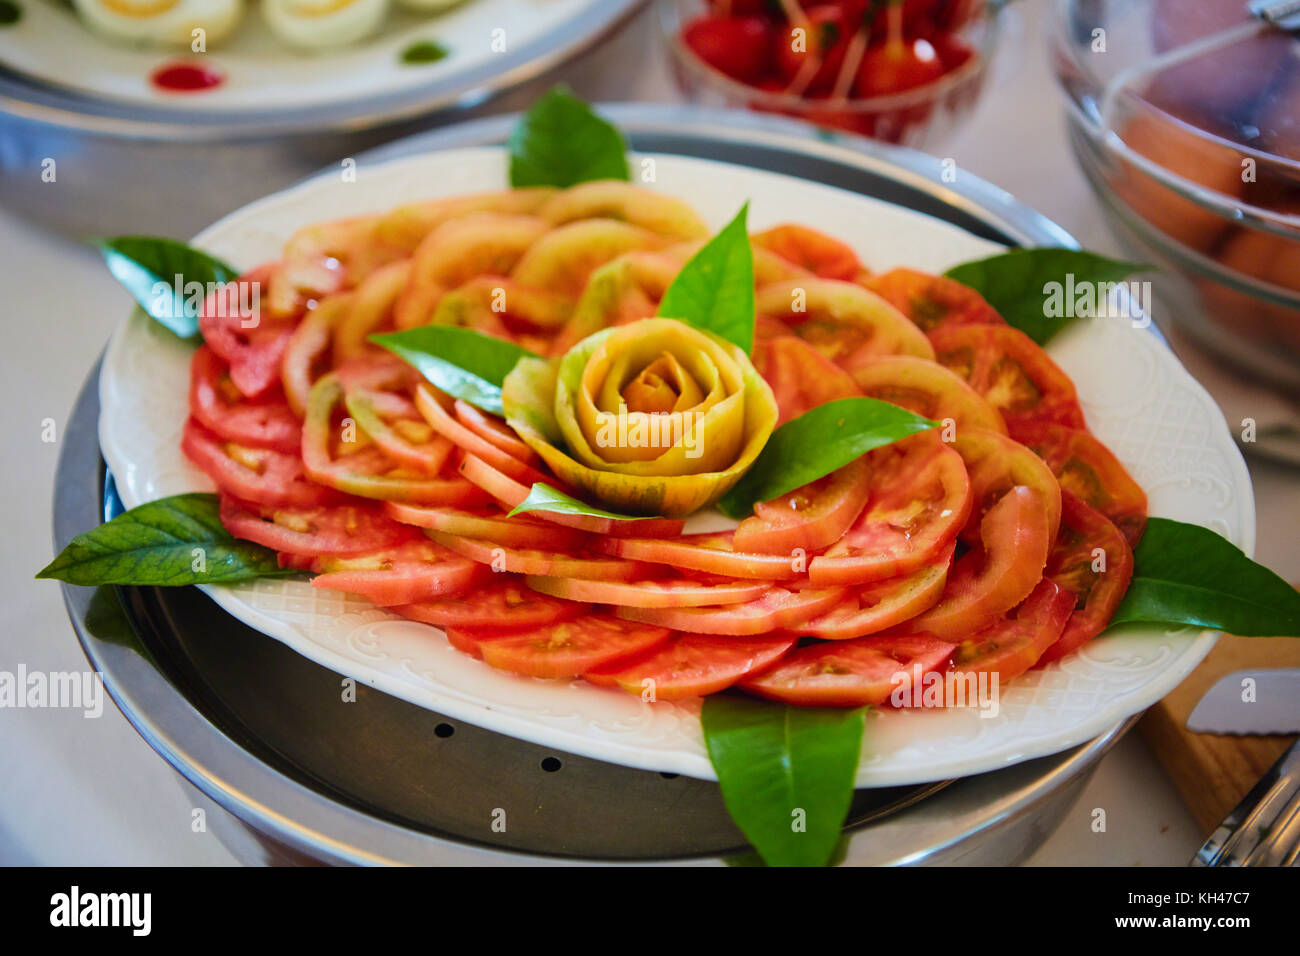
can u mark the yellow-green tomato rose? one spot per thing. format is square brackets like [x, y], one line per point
[653, 417]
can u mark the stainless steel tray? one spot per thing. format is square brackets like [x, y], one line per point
[290, 773]
[124, 168]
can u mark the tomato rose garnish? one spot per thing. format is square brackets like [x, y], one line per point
[653, 417]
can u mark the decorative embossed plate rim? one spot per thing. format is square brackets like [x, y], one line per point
[1136, 396]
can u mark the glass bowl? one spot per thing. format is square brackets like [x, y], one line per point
[1195, 159]
[914, 117]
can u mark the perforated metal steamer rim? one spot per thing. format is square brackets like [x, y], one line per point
[307, 814]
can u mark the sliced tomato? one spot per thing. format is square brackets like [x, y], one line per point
[547, 563]
[670, 592]
[511, 494]
[713, 553]
[694, 665]
[312, 532]
[431, 407]
[801, 378]
[251, 340]
[1088, 469]
[368, 472]
[919, 498]
[928, 389]
[566, 649]
[811, 517]
[931, 301]
[857, 673]
[778, 609]
[504, 604]
[996, 464]
[263, 422]
[404, 574]
[848, 324]
[306, 358]
[1011, 371]
[1010, 646]
[986, 582]
[809, 249]
[262, 475]
[517, 532]
[1092, 560]
[494, 430]
[885, 604]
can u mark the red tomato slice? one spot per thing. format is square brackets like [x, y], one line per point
[405, 574]
[566, 649]
[987, 582]
[694, 665]
[673, 592]
[857, 673]
[1009, 369]
[933, 302]
[265, 422]
[709, 553]
[517, 532]
[502, 605]
[366, 471]
[801, 378]
[546, 563]
[244, 334]
[928, 389]
[312, 532]
[920, 497]
[1092, 560]
[1087, 468]
[885, 604]
[495, 431]
[1012, 645]
[996, 464]
[511, 494]
[811, 517]
[430, 406]
[809, 249]
[262, 475]
[776, 610]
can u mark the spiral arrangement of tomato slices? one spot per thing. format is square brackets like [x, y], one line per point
[997, 543]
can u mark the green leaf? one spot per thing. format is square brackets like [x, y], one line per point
[1186, 574]
[151, 270]
[461, 362]
[172, 541]
[786, 773]
[561, 142]
[1036, 290]
[815, 444]
[542, 497]
[715, 289]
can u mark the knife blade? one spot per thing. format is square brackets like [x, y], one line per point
[1260, 701]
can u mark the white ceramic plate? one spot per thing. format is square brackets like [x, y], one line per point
[1136, 397]
[52, 44]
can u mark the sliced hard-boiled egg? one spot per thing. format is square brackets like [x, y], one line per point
[319, 24]
[171, 22]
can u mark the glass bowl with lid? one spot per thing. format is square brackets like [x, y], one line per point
[1185, 118]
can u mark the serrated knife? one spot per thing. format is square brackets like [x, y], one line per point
[1263, 700]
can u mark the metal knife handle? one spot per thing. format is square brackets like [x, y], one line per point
[1264, 829]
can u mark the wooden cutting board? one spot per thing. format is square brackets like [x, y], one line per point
[1214, 771]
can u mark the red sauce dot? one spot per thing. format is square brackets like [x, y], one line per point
[185, 77]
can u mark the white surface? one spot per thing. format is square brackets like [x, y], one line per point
[76, 791]
[52, 44]
[1135, 395]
